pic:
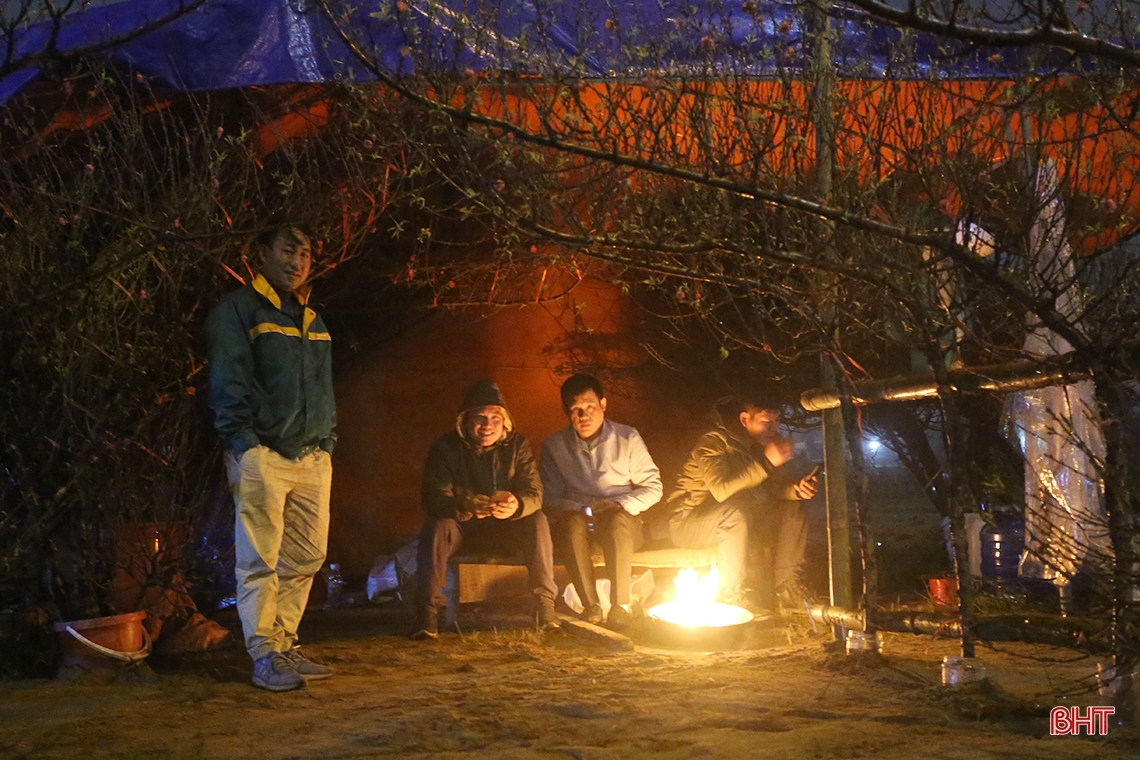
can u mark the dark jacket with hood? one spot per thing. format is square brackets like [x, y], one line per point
[461, 476]
[727, 462]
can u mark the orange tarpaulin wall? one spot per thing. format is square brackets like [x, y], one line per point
[754, 132]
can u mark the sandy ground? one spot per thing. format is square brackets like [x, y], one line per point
[503, 690]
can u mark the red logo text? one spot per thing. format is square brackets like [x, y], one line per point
[1068, 721]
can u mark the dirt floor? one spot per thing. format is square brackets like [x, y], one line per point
[504, 690]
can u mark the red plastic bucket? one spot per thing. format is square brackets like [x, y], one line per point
[944, 592]
[103, 645]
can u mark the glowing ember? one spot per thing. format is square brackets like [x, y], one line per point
[696, 605]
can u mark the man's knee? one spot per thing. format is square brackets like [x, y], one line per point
[252, 565]
[733, 520]
[439, 538]
[535, 531]
[572, 521]
[303, 566]
[677, 533]
[624, 526]
[571, 526]
[439, 528]
[255, 555]
[536, 523]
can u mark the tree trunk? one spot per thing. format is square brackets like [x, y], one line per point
[1119, 503]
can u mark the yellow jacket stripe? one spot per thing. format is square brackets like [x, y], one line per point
[269, 327]
[293, 332]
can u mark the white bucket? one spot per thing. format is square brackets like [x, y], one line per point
[957, 671]
[859, 642]
[1108, 683]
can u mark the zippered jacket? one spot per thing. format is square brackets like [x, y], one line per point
[723, 465]
[616, 465]
[460, 476]
[271, 372]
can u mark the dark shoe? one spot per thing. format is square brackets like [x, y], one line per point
[619, 619]
[547, 617]
[592, 614]
[795, 596]
[306, 668]
[275, 673]
[428, 627]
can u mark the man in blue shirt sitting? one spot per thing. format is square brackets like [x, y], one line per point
[598, 470]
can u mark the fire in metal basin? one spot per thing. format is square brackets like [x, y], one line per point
[694, 619]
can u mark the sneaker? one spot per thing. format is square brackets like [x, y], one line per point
[275, 672]
[794, 595]
[620, 618]
[306, 668]
[547, 617]
[592, 614]
[428, 627]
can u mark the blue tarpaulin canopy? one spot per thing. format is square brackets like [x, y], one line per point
[218, 44]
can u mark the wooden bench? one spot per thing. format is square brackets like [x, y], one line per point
[477, 577]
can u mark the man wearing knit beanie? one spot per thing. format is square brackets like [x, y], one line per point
[481, 487]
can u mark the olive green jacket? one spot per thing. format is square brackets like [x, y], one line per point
[725, 464]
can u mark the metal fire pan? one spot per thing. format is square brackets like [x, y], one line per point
[700, 638]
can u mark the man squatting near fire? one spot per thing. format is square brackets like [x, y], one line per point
[481, 486]
[598, 470]
[736, 480]
[272, 394]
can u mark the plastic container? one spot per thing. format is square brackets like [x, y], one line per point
[336, 595]
[974, 525]
[1108, 684]
[957, 671]
[1002, 545]
[105, 644]
[944, 592]
[862, 642]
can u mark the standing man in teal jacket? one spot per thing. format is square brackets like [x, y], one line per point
[272, 395]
